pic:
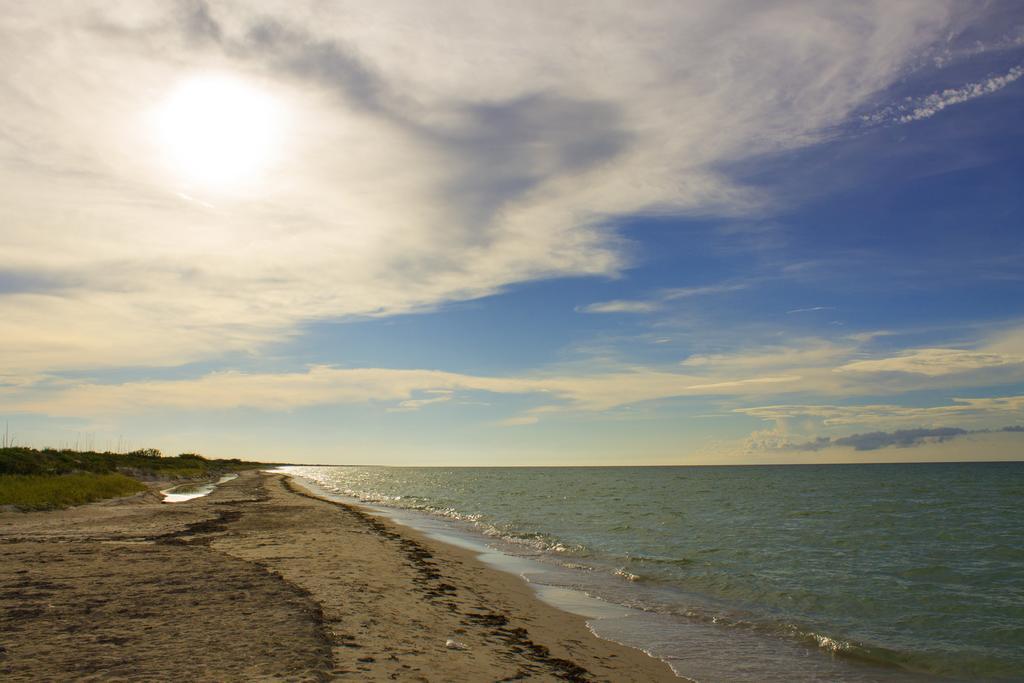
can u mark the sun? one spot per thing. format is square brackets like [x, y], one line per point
[219, 132]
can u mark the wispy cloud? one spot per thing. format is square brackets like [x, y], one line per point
[403, 183]
[811, 309]
[396, 389]
[752, 382]
[797, 353]
[806, 366]
[688, 292]
[739, 383]
[930, 105]
[519, 421]
[435, 396]
[990, 410]
[873, 441]
[936, 102]
[933, 362]
[658, 301]
[620, 306]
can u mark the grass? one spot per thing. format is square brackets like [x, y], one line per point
[48, 492]
[46, 479]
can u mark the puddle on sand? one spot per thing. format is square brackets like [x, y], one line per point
[183, 492]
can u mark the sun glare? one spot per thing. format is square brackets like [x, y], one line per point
[219, 132]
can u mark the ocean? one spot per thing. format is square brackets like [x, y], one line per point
[759, 573]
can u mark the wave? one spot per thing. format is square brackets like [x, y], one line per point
[628, 576]
[769, 585]
[668, 561]
[534, 540]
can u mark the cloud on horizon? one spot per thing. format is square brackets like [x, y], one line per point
[399, 389]
[873, 441]
[1007, 409]
[805, 367]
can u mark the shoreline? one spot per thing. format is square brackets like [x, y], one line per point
[500, 573]
[262, 579]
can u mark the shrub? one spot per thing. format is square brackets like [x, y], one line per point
[147, 462]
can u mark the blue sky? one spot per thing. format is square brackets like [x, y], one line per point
[732, 233]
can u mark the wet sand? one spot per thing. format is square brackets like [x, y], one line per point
[261, 580]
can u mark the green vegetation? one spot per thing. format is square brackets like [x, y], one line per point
[34, 479]
[46, 492]
[146, 463]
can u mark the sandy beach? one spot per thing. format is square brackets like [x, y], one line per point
[261, 580]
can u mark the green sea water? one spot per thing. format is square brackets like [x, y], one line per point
[839, 572]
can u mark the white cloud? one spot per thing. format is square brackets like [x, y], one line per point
[620, 306]
[986, 412]
[916, 109]
[434, 152]
[817, 428]
[798, 353]
[933, 362]
[688, 292]
[436, 396]
[804, 367]
[810, 309]
[657, 303]
[835, 368]
[399, 390]
[936, 102]
[738, 383]
[1006, 342]
[519, 421]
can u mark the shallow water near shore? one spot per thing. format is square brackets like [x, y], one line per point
[190, 491]
[851, 573]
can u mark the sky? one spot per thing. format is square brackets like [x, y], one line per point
[574, 233]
